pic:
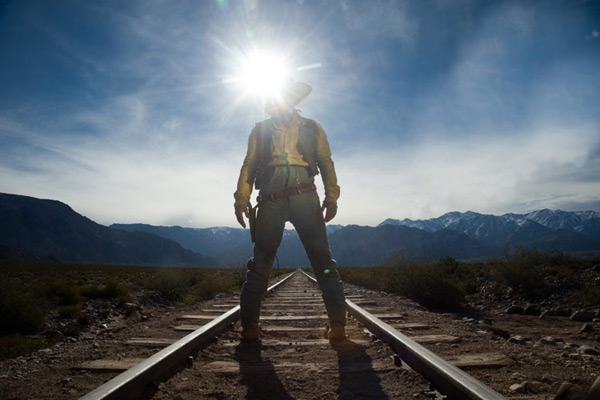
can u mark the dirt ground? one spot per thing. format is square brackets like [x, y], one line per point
[543, 352]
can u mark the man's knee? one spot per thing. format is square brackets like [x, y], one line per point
[259, 268]
[326, 269]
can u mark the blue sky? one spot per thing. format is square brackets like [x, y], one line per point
[125, 111]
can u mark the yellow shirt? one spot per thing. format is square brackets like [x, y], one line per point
[286, 140]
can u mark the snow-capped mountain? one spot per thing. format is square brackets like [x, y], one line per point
[493, 229]
[585, 222]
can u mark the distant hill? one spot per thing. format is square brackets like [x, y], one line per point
[46, 229]
[49, 229]
[464, 236]
[364, 245]
[545, 229]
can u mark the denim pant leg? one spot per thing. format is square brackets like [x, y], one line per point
[270, 222]
[305, 214]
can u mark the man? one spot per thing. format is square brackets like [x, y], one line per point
[284, 154]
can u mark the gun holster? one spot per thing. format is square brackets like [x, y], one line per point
[252, 221]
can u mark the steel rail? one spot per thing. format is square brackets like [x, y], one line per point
[129, 384]
[448, 379]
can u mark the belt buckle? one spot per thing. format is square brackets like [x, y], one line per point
[299, 187]
[260, 198]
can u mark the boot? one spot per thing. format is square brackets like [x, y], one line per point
[335, 332]
[251, 334]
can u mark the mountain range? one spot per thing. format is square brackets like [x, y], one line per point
[50, 229]
[544, 229]
[31, 228]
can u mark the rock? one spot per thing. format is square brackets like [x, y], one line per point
[515, 310]
[564, 391]
[56, 336]
[535, 386]
[518, 387]
[585, 349]
[496, 331]
[531, 310]
[583, 316]
[571, 346]
[562, 312]
[568, 391]
[518, 339]
[586, 328]
[549, 340]
[130, 308]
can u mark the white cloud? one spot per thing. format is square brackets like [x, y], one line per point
[489, 175]
[169, 174]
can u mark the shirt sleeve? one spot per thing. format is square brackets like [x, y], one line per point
[326, 167]
[247, 173]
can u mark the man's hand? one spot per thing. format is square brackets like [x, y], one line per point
[240, 211]
[331, 210]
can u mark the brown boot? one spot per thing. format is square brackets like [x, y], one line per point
[336, 333]
[251, 334]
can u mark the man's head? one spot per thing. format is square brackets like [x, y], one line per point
[288, 97]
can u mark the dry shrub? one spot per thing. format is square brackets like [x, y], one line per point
[430, 285]
[62, 293]
[170, 283]
[112, 289]
[16, 345]
[433, 285]
[588, 297]
[20, 312]
[524, 271]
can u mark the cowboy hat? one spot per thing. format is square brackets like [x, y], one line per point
[289, 96]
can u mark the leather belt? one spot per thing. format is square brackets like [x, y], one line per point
[299, 188]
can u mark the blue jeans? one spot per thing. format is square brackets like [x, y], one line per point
[304, 212]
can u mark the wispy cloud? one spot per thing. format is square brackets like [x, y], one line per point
[594, 35]
[517, 173]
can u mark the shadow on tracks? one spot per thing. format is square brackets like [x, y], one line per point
[355, 366]
[266, 384]
[356, 371]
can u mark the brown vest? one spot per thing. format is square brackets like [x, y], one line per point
[306, 146]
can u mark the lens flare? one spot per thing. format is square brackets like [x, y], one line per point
[326, 271]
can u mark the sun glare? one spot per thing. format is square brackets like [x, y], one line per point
[263, 74]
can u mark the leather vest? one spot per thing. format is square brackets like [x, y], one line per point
[306, 146]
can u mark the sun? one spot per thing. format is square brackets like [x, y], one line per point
[262, 73]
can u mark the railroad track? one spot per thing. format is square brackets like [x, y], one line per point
[293, 360]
